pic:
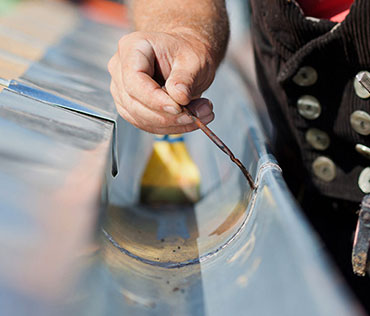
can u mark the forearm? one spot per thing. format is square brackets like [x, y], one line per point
[205, 19]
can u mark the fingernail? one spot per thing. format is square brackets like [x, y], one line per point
[182, 88]
[184, 119]
[171, 110]
[208, 119]
[203, 110]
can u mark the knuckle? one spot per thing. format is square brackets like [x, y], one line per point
[123, 42]
[156, 131]
[111, 87]
[113, 91]
[161, 121]
[128, 83]
[132, 107]
[111, 65]
[128, 41]
[123, 113]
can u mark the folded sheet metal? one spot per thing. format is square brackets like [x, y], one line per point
[235, 252]
[51, 172]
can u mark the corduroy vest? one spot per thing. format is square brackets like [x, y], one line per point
[306, 70]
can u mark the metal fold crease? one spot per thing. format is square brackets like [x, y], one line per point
[54, 100]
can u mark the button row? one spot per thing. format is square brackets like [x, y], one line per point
[324, 169]
[310, 108]
[360, 122]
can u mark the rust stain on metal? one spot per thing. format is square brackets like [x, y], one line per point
[220, 144]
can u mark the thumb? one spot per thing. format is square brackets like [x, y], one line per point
[180, 83]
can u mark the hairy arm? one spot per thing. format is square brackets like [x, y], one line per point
[179, 44]
[205, 19]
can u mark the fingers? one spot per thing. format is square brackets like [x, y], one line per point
[182, 129]
[160, 122]
[141, 100]
[201, 107]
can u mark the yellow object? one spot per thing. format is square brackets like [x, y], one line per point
[170, 175]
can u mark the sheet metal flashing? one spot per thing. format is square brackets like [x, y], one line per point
[234, 252]
[4, 82]
[53, 100]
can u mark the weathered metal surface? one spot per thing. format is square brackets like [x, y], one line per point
[51, 172]
[234, 252]
[251, 253]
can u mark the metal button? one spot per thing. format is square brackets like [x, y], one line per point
[324, 168]
[363, 150]
[318, 139]
[364, 180]
[309, 107]
[306, 76]
[360, 122]
[359, 89]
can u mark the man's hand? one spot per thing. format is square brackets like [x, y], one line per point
[146, 60]
[179, 45]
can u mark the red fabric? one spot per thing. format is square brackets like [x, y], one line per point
[335, 10]
[105, 11]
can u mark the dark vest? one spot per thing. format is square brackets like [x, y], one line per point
[306, 70]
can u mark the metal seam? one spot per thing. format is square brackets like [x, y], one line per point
[68, 105]
[207, 256]
[266, 165]
[4, 82]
